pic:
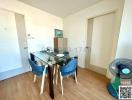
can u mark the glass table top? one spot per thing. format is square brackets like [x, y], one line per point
[49, 57]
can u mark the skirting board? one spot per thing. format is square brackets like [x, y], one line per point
[12, 73]
[96, 69]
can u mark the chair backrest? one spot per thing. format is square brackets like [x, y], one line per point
[66, 53]
[35, 67]
[71, 66]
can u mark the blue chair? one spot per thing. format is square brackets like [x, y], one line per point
[39, 71]
[68, 70]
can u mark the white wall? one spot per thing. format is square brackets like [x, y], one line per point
[125, 39]
[39, 24]
[75, 26]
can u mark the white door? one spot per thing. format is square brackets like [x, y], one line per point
[10, 57]
[101, 31]
[21, 32]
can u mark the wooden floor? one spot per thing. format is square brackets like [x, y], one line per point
[92, 86]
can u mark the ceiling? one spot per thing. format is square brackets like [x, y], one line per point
[61, 8]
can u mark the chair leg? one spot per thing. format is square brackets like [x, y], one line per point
[46, 76]
[57, 68]
[34, 79]
[54, 71]
[76, 78]
[61, 79]
[42, 84]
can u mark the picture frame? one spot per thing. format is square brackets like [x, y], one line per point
[58, 33]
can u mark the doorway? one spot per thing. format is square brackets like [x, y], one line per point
[100, 36]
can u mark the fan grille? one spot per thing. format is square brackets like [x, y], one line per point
[118, 65]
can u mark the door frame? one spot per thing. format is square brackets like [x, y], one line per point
[22, 40]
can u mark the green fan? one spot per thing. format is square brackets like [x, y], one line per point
[121, 69]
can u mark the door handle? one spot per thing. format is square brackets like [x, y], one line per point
[25, 47]
[87, 47]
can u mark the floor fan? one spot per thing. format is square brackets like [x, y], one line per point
[122, 71]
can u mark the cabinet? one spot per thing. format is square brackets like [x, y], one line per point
[60, 44]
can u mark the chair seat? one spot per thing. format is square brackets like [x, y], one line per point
[37, 70]
[69, 69]
[64, 74]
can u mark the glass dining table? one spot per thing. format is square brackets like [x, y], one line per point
[51, 59]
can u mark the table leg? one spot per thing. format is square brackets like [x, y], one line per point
[51, 85]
